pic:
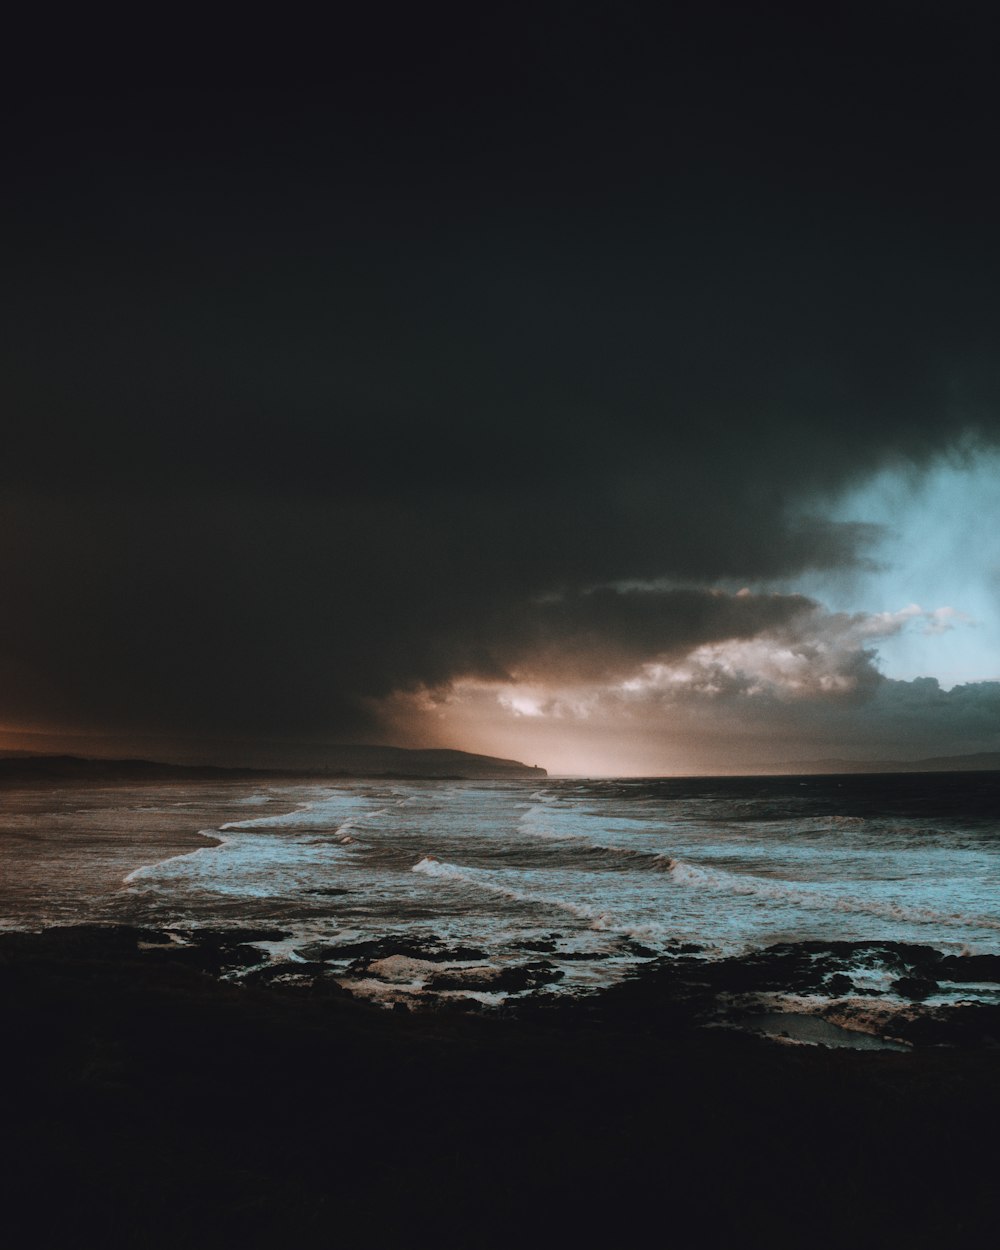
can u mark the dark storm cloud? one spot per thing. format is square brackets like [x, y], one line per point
[224, 613]
[608, 634]
[310, 397]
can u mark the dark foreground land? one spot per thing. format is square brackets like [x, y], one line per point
[147, 1104]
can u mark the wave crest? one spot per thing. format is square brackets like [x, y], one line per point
[815, 897]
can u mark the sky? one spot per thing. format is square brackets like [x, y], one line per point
[614, 388]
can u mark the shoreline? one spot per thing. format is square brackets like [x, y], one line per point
[808, 993]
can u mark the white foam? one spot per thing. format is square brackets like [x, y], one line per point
[432, 867]
[149, 870]
[537, 822]
[510, 863]
[598, 918]
[334, 809]
[817, 898]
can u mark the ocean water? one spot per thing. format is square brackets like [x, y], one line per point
[593, 877]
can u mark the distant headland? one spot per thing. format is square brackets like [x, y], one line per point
[340, 762]
[979, 761]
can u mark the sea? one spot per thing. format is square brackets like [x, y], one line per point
[498, 890]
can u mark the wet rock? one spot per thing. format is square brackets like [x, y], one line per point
[214, 959]
[969, 968]
[961, 1024]
[810, 967]
[81, 941]
[458, 954]
[516, 980]
[642, 952]
[916, 988]
[321, 950]
[343, 950]
[283, 972]
[394, 948]
[509, 980]
[466, 979]
[230, 937]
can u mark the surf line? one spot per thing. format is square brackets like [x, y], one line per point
[214, 836]
[144, 870]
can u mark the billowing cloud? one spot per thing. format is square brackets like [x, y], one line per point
[604, 634]
[805, 688]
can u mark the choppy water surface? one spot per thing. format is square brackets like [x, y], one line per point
[600, 875]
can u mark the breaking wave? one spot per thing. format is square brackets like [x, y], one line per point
[599, 918]
[570, 869]
[818, 898]
[149, 870]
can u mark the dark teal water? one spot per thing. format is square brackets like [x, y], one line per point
[606, 874]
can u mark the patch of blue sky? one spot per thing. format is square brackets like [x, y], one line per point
[937, 545]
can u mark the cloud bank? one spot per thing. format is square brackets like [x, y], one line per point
[805, 689]
[317, 403]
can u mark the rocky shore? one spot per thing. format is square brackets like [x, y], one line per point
[860, 993]
[150, 1103]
